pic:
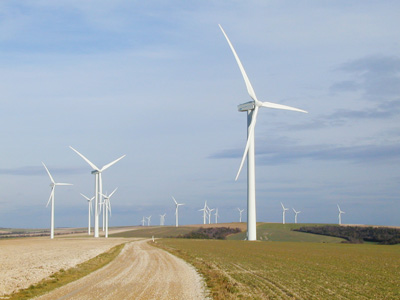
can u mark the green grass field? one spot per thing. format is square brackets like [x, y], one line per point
[283, 233]
[293, 270]
[156, 231]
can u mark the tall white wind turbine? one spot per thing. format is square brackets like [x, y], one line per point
[162, 219]
[252, 111]
[240, 214]
[98, 187]
[107, 209]
[283, 213]
[216, 216]
[53, 185]
[295, 216]
[340, 214]
[209, 214]
[89, 200]
[205, 211]
[176, 211]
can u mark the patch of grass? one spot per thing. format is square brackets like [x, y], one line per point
[283, 233]
[63, 277]
[292, 270]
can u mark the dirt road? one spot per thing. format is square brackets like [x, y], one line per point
[139, 272]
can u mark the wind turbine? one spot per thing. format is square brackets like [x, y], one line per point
[295, 216]
[53, 185]
[90, 210]
[216, 216]
[148, 220]
[340, 212]
[204, 212]
[240, 212]
[107, 208]
[143, 221]
[209, 215]
[98, 187]
[162, 219]
[251, 108]
[284, 212]
[176, 210]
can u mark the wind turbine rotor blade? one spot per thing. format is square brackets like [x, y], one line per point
[94, 167]
[111, 163]
[48, 172]
[51, 195]
[63, 184]
[87, 198]
[174, 200]
[280, 106]
[250, 136]
[250, 89]
[112, 192]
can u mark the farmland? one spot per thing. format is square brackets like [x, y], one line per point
[292, 270]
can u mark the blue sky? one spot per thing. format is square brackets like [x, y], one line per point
[157, 81]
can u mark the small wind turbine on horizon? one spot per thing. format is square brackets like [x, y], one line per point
[143, 221]
[216, 216]
[209, 214]
[251, 108]
[162, 219]
[53, 185]
[176, 211]
[205, 212]
[340, 214]
[89, 200]
[295, 216]
[148, 220]
[98, 187]
[107, 208]
[240, 214]
[283, 213]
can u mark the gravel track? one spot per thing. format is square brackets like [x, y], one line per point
[139, 272]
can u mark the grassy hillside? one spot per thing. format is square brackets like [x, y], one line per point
[156, 231]
[283, 233]
[292, 270]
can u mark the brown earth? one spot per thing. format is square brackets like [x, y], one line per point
[141, 271]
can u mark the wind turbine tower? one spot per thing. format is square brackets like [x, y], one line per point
[295, 216]
[107, 208]
[216, 216]
[340, 214]
[176, 211]
[240, 214]
[143, 221]
[283, 213]
[90, 210]
[251, 108]
[205, 212]
[98, 187]
[148, 220]
[53, 185]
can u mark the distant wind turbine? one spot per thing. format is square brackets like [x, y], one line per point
[240, 214]
[53, 185]
[216, 216]
[283, 213]
[209, 215]
[143, 221]
[340, 214]
[90, 210]
[107, 209]
[98, 187]
[148, 220]
[251, 108]
[176, 211]
[295, 216]
[205, 212]
[162, 219]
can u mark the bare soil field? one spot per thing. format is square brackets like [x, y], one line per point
[26, 261]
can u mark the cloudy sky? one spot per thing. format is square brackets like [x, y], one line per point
[156, 80]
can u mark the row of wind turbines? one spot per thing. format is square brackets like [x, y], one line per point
[102, 201]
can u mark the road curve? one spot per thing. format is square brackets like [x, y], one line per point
[139, 272]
